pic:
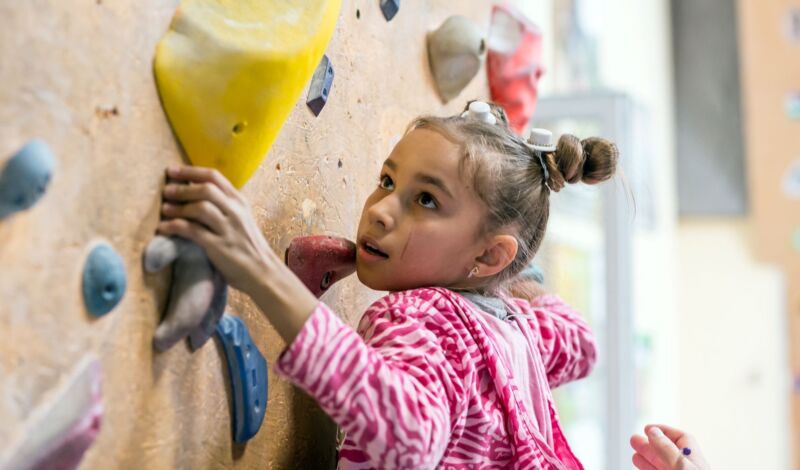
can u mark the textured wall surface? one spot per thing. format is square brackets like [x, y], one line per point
[78, 74]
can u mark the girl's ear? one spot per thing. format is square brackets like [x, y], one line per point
[499, 253]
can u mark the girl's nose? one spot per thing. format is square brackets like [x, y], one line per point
[382, 213]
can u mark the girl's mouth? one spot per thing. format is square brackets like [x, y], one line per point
[373, 250]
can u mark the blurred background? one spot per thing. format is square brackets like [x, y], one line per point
[696, 244]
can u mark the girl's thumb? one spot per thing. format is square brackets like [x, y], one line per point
[665, 448]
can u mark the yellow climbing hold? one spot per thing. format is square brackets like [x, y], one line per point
[230, 71]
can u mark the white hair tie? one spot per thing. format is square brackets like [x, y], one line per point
[541, 141]
[480, 111]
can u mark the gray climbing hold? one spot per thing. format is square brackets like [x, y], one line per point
[162, 251]
[104, 280]
[198, 294]
[208, 324]
[390, 8]
[320, 87]
[455, 51]
[25, 177]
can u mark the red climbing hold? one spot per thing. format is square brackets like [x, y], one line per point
[514, 64]
[320, 260]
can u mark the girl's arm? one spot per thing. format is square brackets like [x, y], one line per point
[202, 206]
[395, 393]
[566, 342]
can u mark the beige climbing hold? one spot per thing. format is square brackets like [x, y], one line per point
[229, 73]
[455, 52]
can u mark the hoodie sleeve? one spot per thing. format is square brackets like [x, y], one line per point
[394, 387]
[566, 343]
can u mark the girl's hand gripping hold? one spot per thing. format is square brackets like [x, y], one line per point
[203, 206]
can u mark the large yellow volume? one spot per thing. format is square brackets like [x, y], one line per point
[230, 71]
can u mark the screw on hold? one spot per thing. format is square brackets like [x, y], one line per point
[104, 280]
[326, 281]
[25, 177]
[321, 83]
[239, 127]
[390, 8]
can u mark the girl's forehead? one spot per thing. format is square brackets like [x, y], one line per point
[423, 148]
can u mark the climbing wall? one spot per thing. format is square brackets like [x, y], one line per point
[79, 75]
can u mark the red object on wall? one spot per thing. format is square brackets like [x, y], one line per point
[321, 260]
[514, 64]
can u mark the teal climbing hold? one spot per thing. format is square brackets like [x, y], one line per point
[25, 177]
[104, 280]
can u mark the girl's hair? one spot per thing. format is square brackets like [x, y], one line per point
[508, 177]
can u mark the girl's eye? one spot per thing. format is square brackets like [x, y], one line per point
[386, 182]
[426, 200]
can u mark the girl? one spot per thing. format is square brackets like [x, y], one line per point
[446, 370]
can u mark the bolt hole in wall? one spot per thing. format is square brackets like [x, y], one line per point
[326, 281]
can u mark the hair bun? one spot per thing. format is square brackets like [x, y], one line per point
[601, 159]
[591, 160]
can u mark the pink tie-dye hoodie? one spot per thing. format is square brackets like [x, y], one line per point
[428, 381]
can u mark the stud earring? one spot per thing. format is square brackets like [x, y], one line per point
[473, 272]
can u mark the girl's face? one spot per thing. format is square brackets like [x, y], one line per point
[421, 225]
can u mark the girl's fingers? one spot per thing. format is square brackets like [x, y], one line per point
[189, 230]
[202, 212]
[642, 447]
[642, 463]
[664, 447]
[674, 434]
[683, 439]
[198, 192]
[197, 174]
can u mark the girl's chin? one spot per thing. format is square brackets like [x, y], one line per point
[381, 283]
[370, 280]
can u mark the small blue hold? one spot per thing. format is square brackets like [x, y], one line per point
[390, 8]
[320, 88]
[25, 177]
[104, 280]
[248, 374]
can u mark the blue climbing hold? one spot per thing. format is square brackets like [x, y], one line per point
[104, 280]
[320, 88]
[248, 372]
[390, 8]
[25, 177]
